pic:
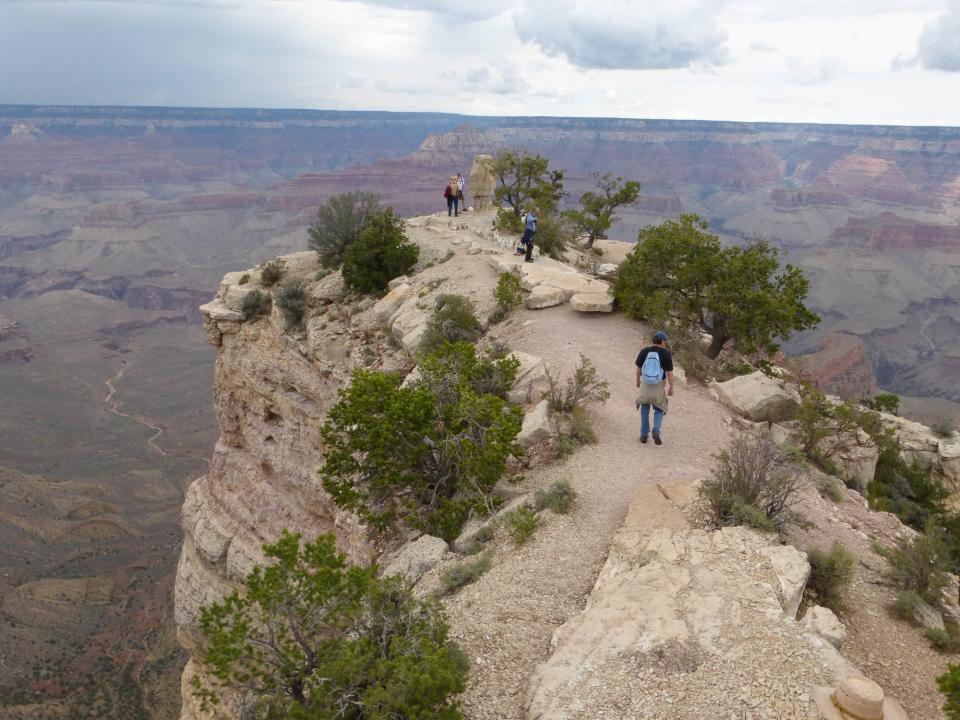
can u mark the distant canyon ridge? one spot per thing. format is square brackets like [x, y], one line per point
[115, 223]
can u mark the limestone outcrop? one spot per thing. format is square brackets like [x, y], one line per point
[757, 397]
[677, 608]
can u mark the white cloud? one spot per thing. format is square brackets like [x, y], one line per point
[627, 34]
[468, 11]
[813, 70]
[939, 45]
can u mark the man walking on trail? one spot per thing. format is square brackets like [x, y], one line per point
[655, 383]
[529, 231]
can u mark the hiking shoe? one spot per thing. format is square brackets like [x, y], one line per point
[643, 439]
[656, 439]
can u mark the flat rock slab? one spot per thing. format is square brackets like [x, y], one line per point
[544, 296]
[217, 311]
[536, 426]
[821, 621]
[391, 302]
[592, 302]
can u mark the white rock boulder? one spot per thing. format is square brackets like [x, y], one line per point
[544, 296]
[391, 302]
[757, 398]
[536, 425]
[821, 621]
[592, 302]
[417, 557]
[792, 570]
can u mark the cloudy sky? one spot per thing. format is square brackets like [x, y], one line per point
[844, 61]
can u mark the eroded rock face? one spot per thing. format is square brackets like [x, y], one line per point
[271, 393]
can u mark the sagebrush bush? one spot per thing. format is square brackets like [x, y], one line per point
[339, 223]
[272, 272]
[584, 386]
[454, 320]
[559, 497]
[752, 517]
[941, 640]
[521, 524]
[463, 573]
[905, 605]
[828, 487]
[292, 301]
[751, 473]
[255, 304]
[830, 574]
[580, 428]
[920, 564]
[943, 428]
[379, 254]
[311, 635]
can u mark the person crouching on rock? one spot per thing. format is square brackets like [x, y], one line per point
[654, 372]
[529, 232]
[450, 193]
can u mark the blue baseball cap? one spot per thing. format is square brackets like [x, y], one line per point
[659, 336]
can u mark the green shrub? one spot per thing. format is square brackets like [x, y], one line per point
[941, 640]
[292, 301]
[339, 223]
[454, 320]
[751, 473]
[584, 386]
[751, 516]
[908, 491]
[464, 573]
[521, 524]
[828, 487]
[507, 221]
[949, 685]
[830, 574]
[244, 279]
[943, 428]
[311, 635]
[558, 497]
[455, 367]
[272, 272]
[479, 540]
[255, 304]
[580, 428]
[884, 402]
[421, 455]
[508, 294]
[554, 235]
[379, 254]
[919, 564]
[905, 605]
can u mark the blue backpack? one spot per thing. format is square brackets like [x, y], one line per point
[652, 372]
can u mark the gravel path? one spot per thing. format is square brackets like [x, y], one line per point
[505, 620]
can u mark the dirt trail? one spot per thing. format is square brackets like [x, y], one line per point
[115, 405]
[505, 620]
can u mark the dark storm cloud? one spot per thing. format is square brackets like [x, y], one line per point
[185, 52]
[626, 34]
[939, 46]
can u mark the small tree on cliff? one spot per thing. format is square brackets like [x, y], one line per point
[339, 223]
[524, 180]
[427, 453]
[596, 212]
[679, 275]
[312, 637]
[379, 254]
